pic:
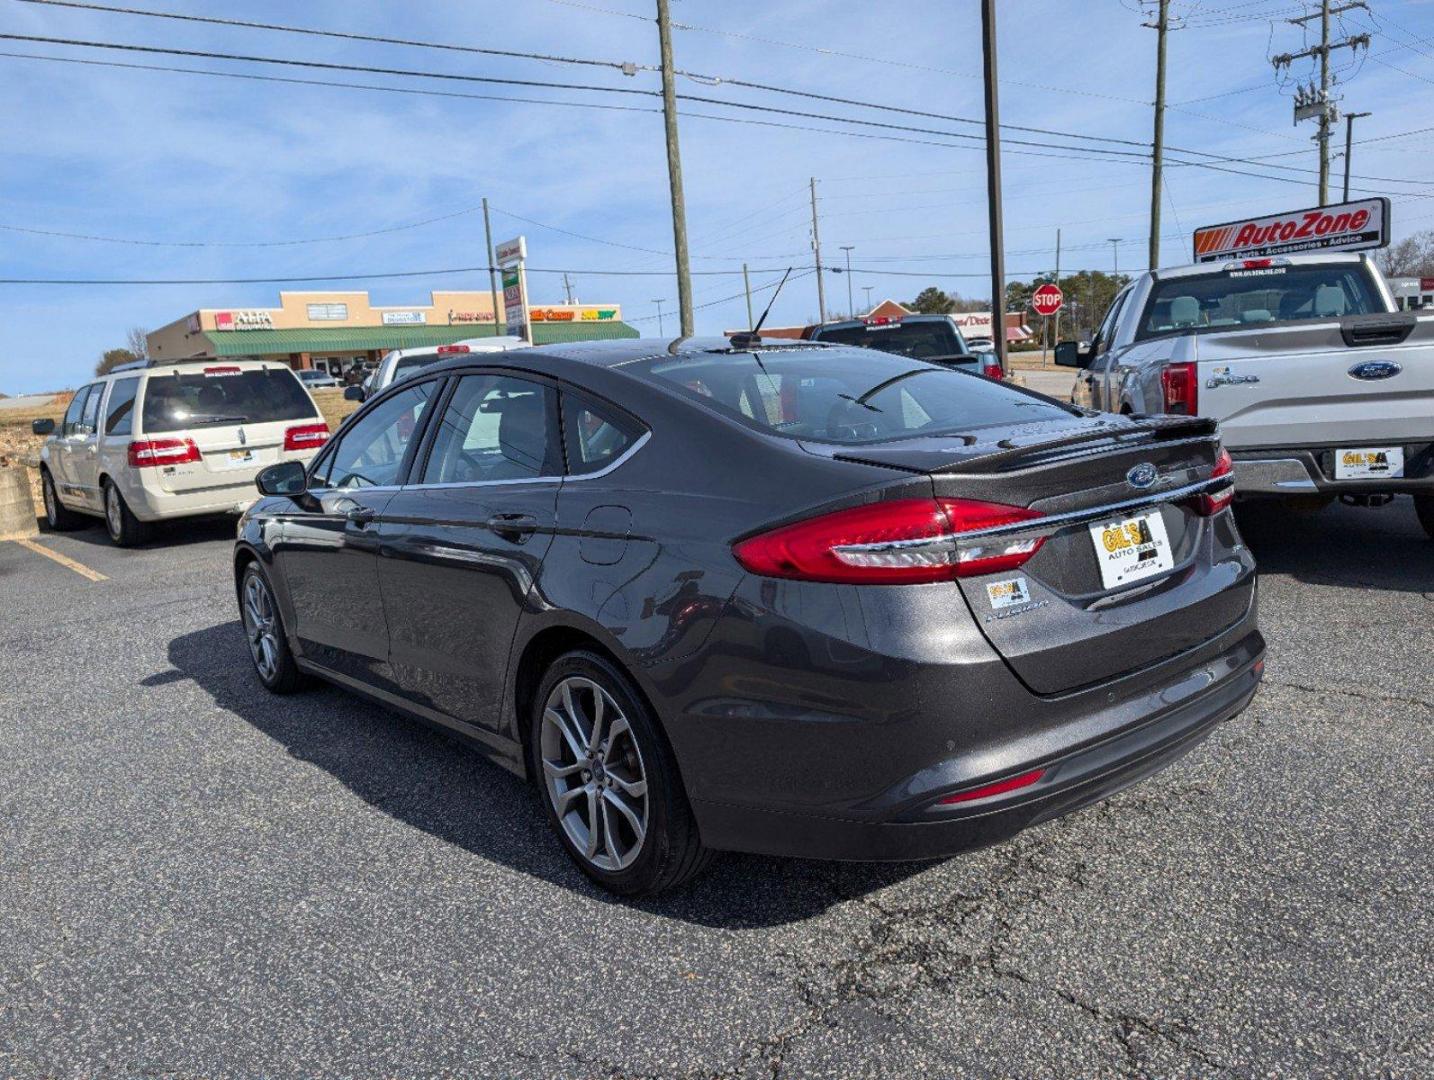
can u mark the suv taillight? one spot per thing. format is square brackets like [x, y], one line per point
[992, 370]
[149, 453]
[899, 542]
[1212, 503]
[1180, 389]
[306, 436]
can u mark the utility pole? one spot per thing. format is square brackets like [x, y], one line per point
[817, 253]
[567, 288]
[659, 304]
[1056, 334]
[492, 274]
[850, 303]
[868, 289]
[993, 182]
[1313, 102]
[747, 284]
[674, 169]
[1162, 29]
[1115, 258]
[1349, 119]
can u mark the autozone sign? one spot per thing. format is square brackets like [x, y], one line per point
[1351, 226]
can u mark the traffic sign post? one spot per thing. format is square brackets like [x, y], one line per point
[1047, 300]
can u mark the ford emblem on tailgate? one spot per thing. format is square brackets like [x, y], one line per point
[1375, 369]
[1142, 475]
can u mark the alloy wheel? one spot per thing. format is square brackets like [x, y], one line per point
[261, 627]
[593, 773]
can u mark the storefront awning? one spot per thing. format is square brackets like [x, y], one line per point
[362, 338]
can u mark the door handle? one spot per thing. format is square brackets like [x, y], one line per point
[360, 515]
[513, 527]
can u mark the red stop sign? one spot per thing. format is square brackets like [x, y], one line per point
[1047, 300]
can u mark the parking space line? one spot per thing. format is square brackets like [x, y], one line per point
[64, 560]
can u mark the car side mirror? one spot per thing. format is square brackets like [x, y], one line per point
[285, 478]
[353, 393]
[1070, 354]
[43, 427]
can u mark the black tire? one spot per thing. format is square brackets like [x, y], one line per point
[57, 515]
[124, 528]
[670, 852]
[1424, 507]
[274, 663]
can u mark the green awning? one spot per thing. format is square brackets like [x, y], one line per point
[361, 338]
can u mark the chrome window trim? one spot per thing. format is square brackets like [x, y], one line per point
[612, 466]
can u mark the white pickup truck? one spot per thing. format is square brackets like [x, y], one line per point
[1322, 388]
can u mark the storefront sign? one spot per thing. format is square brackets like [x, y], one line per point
[597, 314]
[552, 315]
[404, 318]
[1351, 226]
[470, 317]
[510, 256]
[243, 320]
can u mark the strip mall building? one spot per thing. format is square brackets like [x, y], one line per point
[334, 330]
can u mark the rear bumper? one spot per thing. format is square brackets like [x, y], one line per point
[909, 822]
[153, 504]
[1295, 471]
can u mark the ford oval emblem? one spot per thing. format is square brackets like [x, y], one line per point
[1142, 475]
[1375, 369]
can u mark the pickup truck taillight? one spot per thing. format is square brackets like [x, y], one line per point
[992, 370]
[306, 436]
[1180, 389]
[150, 453]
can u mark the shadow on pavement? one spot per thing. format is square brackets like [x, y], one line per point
[433, 782]
[1343, 546]
[164, 534]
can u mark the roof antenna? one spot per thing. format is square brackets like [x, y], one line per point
[753, 336]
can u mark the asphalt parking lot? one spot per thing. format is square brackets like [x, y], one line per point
[200, 880]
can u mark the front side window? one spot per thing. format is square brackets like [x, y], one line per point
[119, 414]
[71, 422]
[224, 394]
[1258, 296]
[371, 453]
[496, 427]
[845, 395]
[594, 437]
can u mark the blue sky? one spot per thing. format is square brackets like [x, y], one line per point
[190, 160]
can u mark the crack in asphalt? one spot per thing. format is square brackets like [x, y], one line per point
[1387, 699]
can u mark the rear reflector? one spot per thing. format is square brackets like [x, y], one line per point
[306, 436]
[149, 453]
[449, 350]
[1213, 502]
[899, 542]
[1180, 389]
[1000, 787]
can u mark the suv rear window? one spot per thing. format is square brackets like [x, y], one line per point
[932, 339]
[407, 365]
[224, 395]
[846, 395]
[1256, 296]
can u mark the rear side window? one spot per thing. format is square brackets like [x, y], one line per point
[119, 414]
[90, 418]
[934, 339]
[1257, 296]
[495, 427]
[846, 395]
[224, 395]
[72, 414]
[371, 453]
[594, 437]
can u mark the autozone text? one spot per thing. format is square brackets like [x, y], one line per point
[1314, 223]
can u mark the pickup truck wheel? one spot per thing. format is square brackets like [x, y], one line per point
[57, 515]
[1424, 507]
[125, 529]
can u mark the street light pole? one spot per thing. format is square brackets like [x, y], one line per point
[850, 303]
[659, 304]
[1349, 119]
[868, 289]
[492, 274]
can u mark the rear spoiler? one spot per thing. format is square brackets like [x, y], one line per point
[1162, 427]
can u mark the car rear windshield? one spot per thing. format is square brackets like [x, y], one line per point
[1258, 296]
[407, 365]
[846, 396]
[224, 395]
[932, 339]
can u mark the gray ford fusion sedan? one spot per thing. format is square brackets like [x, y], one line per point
[800, 599]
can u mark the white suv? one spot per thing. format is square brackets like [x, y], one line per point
[401, 363]
[148, 442]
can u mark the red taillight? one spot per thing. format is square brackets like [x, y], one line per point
[900, 542]
[148, 453]
[1180, 388]
[306, 436]
[1212, 503]
[992, 370]
[449, 350]
[1000, 787]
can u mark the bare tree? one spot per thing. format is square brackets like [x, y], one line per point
[137, 342]
[1411, 257]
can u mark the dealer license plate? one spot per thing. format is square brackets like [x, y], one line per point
[1132, 549]
[238, 457]
[1368, 462]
